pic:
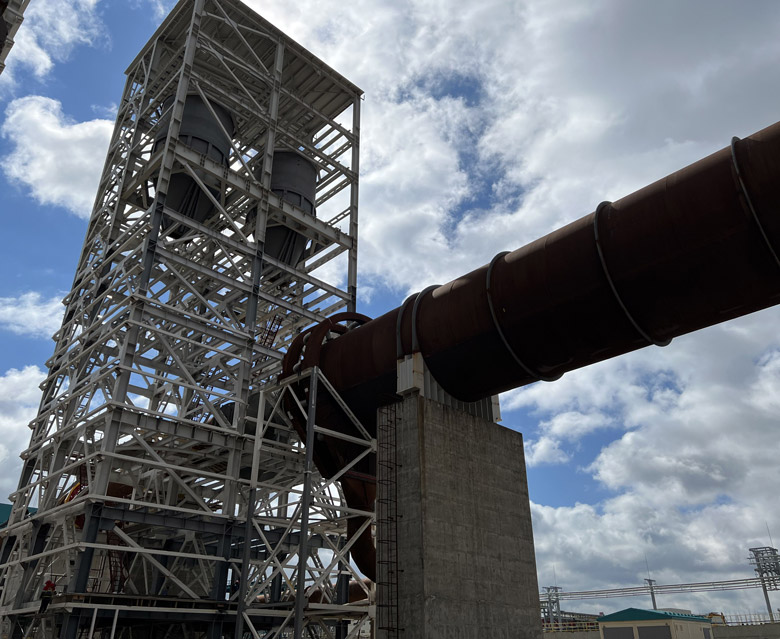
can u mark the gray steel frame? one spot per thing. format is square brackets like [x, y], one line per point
[151, 500]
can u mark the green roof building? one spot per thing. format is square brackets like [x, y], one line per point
[635, 623]
[5, 513]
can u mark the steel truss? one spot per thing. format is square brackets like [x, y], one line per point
[162, 461]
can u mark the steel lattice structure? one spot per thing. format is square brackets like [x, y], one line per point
[174, 497]
[767, 565]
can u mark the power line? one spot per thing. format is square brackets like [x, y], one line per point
[638, 591]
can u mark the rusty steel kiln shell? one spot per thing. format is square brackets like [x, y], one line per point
[694, 249]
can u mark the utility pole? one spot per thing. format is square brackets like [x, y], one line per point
[651, 583]
[553, 604]
[766, 561]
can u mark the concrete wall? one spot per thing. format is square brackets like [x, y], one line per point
[465, 545]
[761, 631]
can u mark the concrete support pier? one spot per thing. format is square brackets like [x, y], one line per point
[463, 565]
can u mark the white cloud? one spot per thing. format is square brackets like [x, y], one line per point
[566, 427]
[544, 450]
[49, 33]
[19, 397]
[52, 29]
[569, 105]
[58, 159]
[765, 389]
[161, 7]
[108, 112]
[692, 472]
[30, 314]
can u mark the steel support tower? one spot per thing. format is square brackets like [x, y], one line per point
[766, 561]
[174, 497]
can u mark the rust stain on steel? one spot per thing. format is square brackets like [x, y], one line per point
[694, 249]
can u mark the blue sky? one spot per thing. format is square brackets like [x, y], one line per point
[485, 125]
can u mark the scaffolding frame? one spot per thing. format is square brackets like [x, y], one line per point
[144, 457]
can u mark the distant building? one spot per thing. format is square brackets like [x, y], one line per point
[5, 513]
[635, 623]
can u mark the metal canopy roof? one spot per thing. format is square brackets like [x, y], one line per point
[638, 614]
[305, 78]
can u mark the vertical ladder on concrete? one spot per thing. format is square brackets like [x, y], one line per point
[387, 522]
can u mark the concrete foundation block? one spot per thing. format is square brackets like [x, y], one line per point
[465, 554]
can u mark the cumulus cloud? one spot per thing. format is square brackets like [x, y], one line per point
[52, 29]
[542, 108]
[691, 470]
[29, 314]
[57, 159]
[49, 33]
[544, 450]
[19, 397]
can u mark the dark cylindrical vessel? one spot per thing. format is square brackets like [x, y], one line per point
[294, 179]
[201, 131]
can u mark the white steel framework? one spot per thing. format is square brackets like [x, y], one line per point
[174, 497]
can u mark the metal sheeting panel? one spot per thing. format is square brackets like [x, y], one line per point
[654, 632]
[619, 633]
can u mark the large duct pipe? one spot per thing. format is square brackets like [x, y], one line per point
[694, 249]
